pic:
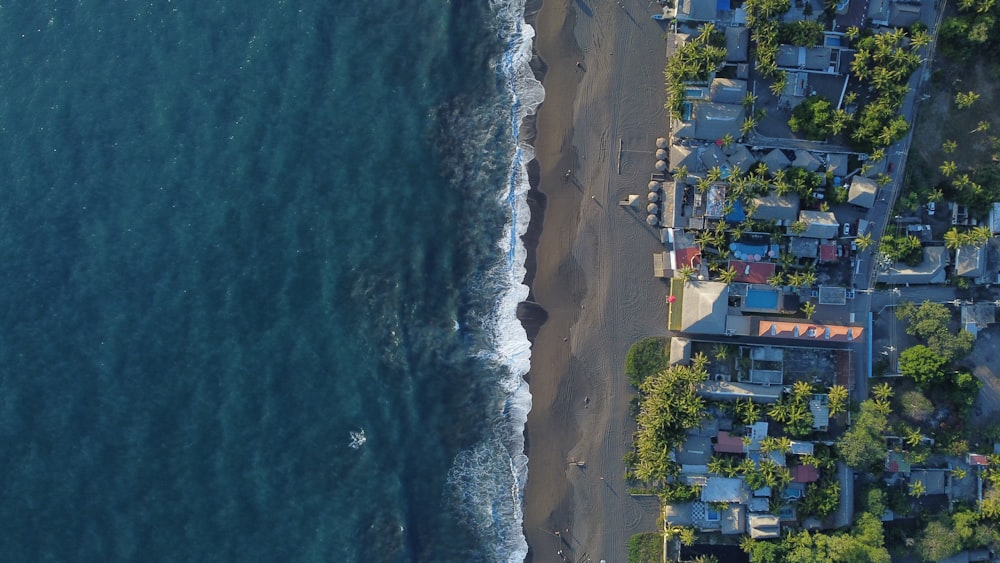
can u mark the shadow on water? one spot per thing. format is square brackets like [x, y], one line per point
[585, 8]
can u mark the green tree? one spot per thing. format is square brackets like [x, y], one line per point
[953, 239]
[949, 146]
[913, 437]
[929, 321]
[809, 308]
[799, 227]
[966, 99]
[646, 357]
[939, 541]
[925, 366]
[728, 275]
[837, 399]
[882, 392]
[863, 241]
[948, 168]
[862, 446]
[687, 536]
[916, 406]
[812, 118]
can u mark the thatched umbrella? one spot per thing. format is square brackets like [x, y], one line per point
[661, 154]
[661, 165]
[652, 220]
[652, 208]
[661, 143]
[654, 186]
[653, 196]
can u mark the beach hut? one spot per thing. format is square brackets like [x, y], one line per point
[661, 154]
[653, 196]
[661, 143]
[654, 186]
[652, 220]
[652, 208]
[661, 166]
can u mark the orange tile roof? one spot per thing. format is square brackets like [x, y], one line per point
[809, 331]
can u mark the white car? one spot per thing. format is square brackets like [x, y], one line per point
[847, 229]
[931, 208]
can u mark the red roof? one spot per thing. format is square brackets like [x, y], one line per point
[827, 252]
[752, 272]
[974, 459]
[805, 474]
[686, 257]
[728, 444]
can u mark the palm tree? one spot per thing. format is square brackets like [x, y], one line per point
[850, 98]
[913, 437]
[980, 234]
[777, 279]
[882, 392]
[863, 241]
[958, 473]
[681, 174]
[687, 273]
[917, 489]
[920, 39]
[948, 167]
[721, 352]
[982, 126]
[949, 146]
[852, 32]
[802, 390]
[807, 278]
[799, 227]
[728, 275]
[749, 100]
[699, 362]
[837, 399]
[953, 239]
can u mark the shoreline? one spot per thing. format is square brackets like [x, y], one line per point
[591, 292]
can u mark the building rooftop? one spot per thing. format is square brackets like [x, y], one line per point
[686, 157]
[933, 480]
[819, 224]
[809, 331]
[970, 261]
[863, 191]
[724, 489]
[776, 160]
[728, 91]
[704, 307]
[728, 444]
[805, 474]
[696, 10]
[836, 164]
[803, 247]
[752, 272]
[764, 526]
[806, 160]
[737, 44]
[732, 390]
[774, 207]
[929, 271]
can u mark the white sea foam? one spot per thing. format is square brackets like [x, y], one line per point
[495, 506]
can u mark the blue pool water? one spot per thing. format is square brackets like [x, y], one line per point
[761, 299]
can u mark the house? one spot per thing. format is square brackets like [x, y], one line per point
[977, 461]
[724, 489]
[728, 91]
[764, 526]
[686, 157]
[752, 272]
[737, 44]
[774, 207]
[836, 164]
[803, 247]
[672, 204]
[895, 462]
[696, 10]
[809, 331]
[970, 261]
[712, 156]
[819, 224]
[903, 15]
[806, 160]
[776, 160]
[739, 157]
[863, 191]
[820, 409]
[704, 306]
[680, 350]
[932, 479]
[805, 474]
[726, 443]
[801, 448]
[827, 251]
[732, 390]
[977, 316]
[929, 271]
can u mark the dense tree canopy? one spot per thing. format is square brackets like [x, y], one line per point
[646, 357]
[929, 321]
[924, 365]
[865, 544]
[670, 405]
[813, 118]
[863, 445]
[902, 248]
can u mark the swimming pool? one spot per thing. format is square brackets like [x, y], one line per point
[761, 299]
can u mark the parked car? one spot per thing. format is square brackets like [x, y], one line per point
[847, 229]
[931, 208]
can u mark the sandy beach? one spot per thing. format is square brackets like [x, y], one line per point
[592, 272]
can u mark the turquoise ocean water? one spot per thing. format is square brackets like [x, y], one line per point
[231, 234]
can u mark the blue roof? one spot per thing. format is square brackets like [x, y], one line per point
[722, 5]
